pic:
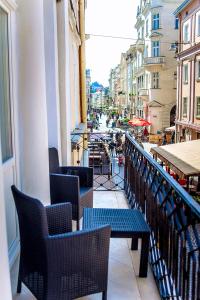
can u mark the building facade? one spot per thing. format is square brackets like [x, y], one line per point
[188, 96]
[155, 73]
[41, 79]
[115, 86]
[131, 80]
[88, 84]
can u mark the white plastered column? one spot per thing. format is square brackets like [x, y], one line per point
[64, 79]
[51, 68]
[32, 107]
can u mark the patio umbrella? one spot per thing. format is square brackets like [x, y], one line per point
[136, 122]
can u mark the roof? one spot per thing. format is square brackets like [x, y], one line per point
[181, 7]
[183, 158]
[155, 103]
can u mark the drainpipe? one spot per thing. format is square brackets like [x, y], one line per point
[82, 67]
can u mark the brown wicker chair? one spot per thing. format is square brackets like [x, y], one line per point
[70, 184]
[56, 264]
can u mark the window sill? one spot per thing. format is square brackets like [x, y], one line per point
[153, 29]
[185, 82]
[198, 79]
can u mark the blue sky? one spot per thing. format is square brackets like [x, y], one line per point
[108, 17]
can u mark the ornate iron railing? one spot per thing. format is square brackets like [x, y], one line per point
[94, 150]
[174, 219]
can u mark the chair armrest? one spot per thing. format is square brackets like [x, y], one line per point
[59, 217]
[64, 188]
[79, 252]
[85, 174]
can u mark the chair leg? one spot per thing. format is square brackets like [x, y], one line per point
[19, 286]
[104, 295]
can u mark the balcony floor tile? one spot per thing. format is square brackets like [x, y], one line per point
[124, 282]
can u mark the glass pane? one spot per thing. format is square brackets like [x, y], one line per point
[5, 110]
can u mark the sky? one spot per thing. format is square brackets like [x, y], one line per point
[108, 17]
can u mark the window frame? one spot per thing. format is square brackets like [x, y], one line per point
[155, 80]
[156, 21]
[7, 139]
[198, 24]
[198, 107]
[185, 107]
[155, 49]
[185, 74]
[176, 23]
[186, 37]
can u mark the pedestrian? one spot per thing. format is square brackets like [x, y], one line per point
[111, 148]
[164, 140]
[113, 124]
[172, 137]
[107, 122]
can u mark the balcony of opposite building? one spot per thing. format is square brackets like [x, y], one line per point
[140, 44]
[143, 92]
[152, 62]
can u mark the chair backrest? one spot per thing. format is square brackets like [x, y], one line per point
[32, 218]
[53, 161]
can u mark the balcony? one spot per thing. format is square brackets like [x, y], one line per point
[173, 216]
[143, 92]
[140, 45]
[157, 61]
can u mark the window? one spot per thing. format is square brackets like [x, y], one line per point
[185, 102]
[198, 25]
[146, 51]
[155, 80]
[176, 23]
[142, 32]
[5, 109]
[175, 80]
[156, 22]
[156, 48]
[198, 107]
[198, 70]
[185, 74]
[186, 36]
[147, 27]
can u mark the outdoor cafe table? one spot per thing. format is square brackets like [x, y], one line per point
[125, 223]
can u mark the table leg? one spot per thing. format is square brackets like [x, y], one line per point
[144, 256]
[134, 243]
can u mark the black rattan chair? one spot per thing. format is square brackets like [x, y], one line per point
[70, 184]
[54, 264]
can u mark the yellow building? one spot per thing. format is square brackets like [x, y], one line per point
[156, 66]
[188, 97]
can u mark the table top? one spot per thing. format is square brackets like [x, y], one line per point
[120, 220]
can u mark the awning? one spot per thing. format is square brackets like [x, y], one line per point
[171, 129]
[138, 122]
[182, 158]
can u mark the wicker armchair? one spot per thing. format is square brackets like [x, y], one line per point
[56, 264]
[70, 184]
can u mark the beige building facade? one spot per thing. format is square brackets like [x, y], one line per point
[156, 65]
[188, 97]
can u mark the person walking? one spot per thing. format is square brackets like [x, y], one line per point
[107, 122]
[111, 148]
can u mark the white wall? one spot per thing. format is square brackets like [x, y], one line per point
[64, 79]
[33, 133]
